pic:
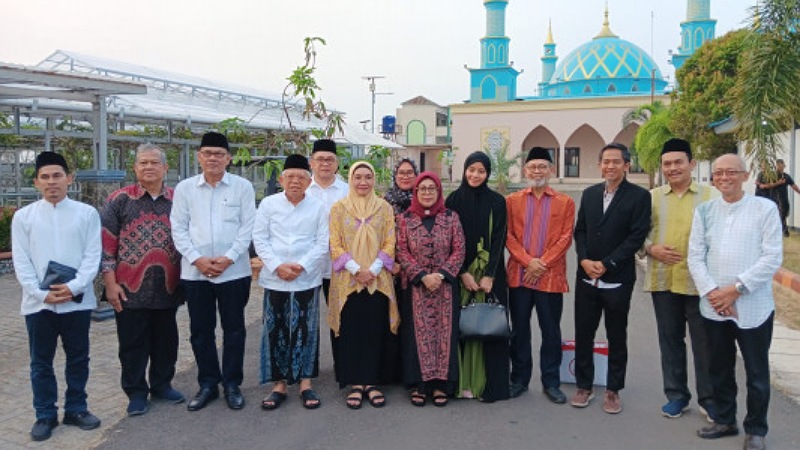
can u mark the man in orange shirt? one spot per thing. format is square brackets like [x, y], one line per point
[540, 225]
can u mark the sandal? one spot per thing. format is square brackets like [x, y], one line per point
[440, 399]
[273, 400]
[378, 400]
[355, 398]
[417, 398]
[310, 399]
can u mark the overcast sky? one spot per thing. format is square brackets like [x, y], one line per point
[420, 46]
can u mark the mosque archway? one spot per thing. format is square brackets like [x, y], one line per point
[581, 153]
[626, 137]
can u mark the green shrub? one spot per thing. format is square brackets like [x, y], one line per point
[6, 213]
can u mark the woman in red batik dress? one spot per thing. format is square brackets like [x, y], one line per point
[430, 248]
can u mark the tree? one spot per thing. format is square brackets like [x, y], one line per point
[767, 92]
[705, 94]
[653, 120]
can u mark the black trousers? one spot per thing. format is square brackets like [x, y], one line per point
[147, 336]
[549, 306]
[754, 344]
[590, 304]
[673, 313]
[204, 299]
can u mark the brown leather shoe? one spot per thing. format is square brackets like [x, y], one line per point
[612, 403]
[753, 442]
[718, 430]
[581, 398]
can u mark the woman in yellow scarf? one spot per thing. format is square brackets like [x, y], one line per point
[362, 310]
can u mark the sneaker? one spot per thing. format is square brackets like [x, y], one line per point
[709, 411]
[581, 398]
[43, 429]
[83, 420]
[137, 406]
[612, 403]
[674, 408]
[516, 389]
[168, 394]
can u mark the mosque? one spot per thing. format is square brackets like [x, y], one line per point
[580, 101]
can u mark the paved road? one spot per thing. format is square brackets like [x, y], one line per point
[524, 423]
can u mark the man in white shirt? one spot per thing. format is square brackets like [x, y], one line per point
[212, 224]
[326, 187]
[57, 229]
[735, 248]
[291, 238]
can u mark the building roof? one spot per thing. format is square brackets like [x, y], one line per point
[420, 100]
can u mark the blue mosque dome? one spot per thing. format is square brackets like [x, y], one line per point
[605, 66]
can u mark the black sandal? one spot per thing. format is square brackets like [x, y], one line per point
[418, 398]
[378, 400]
[440, 399]
[273, 400]
[310, 399]
[351, 397]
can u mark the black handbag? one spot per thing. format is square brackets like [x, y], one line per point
[484, 320]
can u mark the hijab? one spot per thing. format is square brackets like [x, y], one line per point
[400, 199]
[474, 206]
[366, 243]
[416, 207]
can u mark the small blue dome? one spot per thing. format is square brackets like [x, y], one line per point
[605, 66]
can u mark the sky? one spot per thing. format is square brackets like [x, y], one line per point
[420, 46]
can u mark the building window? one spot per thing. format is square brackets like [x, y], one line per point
[491, 55]
[441, 119]
[587, 89]
[612, 88]
[572, 162]
[415, 133]
[635, 88]
[566, 91]
[488, 89]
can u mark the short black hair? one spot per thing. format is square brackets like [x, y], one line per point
[626, 154]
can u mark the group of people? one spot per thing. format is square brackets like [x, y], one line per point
[395, 272]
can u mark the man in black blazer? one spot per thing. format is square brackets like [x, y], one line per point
[613, 222]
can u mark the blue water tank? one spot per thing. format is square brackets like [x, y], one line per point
[388, 124]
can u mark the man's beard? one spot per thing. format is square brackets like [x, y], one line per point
[537, 183]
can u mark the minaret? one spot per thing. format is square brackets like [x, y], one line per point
[549, 60]
[495, 80]
[695, 30]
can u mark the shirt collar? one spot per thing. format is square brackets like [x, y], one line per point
[201, 180]
[139, 191]
[547, 191]
[693, 188]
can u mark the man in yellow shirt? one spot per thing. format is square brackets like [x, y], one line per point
[675, 299]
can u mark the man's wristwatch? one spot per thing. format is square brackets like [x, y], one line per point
[740, 288]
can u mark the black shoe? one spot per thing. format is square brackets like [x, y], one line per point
[516, 389]
[43, 428]
[137, 406]
[168, 394]
[555, 395]
[234, 397]
[203, 397]
[717, 431]
[753, 442]
[83, 420]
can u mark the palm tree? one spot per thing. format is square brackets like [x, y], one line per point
[653, 119]
[767, 90]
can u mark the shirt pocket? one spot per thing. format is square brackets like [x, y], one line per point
[231, 212]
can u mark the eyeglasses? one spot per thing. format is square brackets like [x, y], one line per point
[213, 154]
[427, 190]
[727, 173]
[325, 161]
[405, 173]
[537, 167]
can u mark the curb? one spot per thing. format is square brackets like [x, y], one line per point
[787, 279]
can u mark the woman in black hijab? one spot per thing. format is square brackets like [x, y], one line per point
[484, 364]
[403, 179]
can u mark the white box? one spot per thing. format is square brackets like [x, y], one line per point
[568, 362]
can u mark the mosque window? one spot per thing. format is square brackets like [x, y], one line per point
[635, 88]
[567, 91]
[488, 89]
[501, 57]
[491, 51]
[612, 88]
[698, 38]
[587, 89]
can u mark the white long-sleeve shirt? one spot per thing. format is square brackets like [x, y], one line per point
[214, 221]
[285, 233]
[68, 233]
[740, 241]
[329, 195]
